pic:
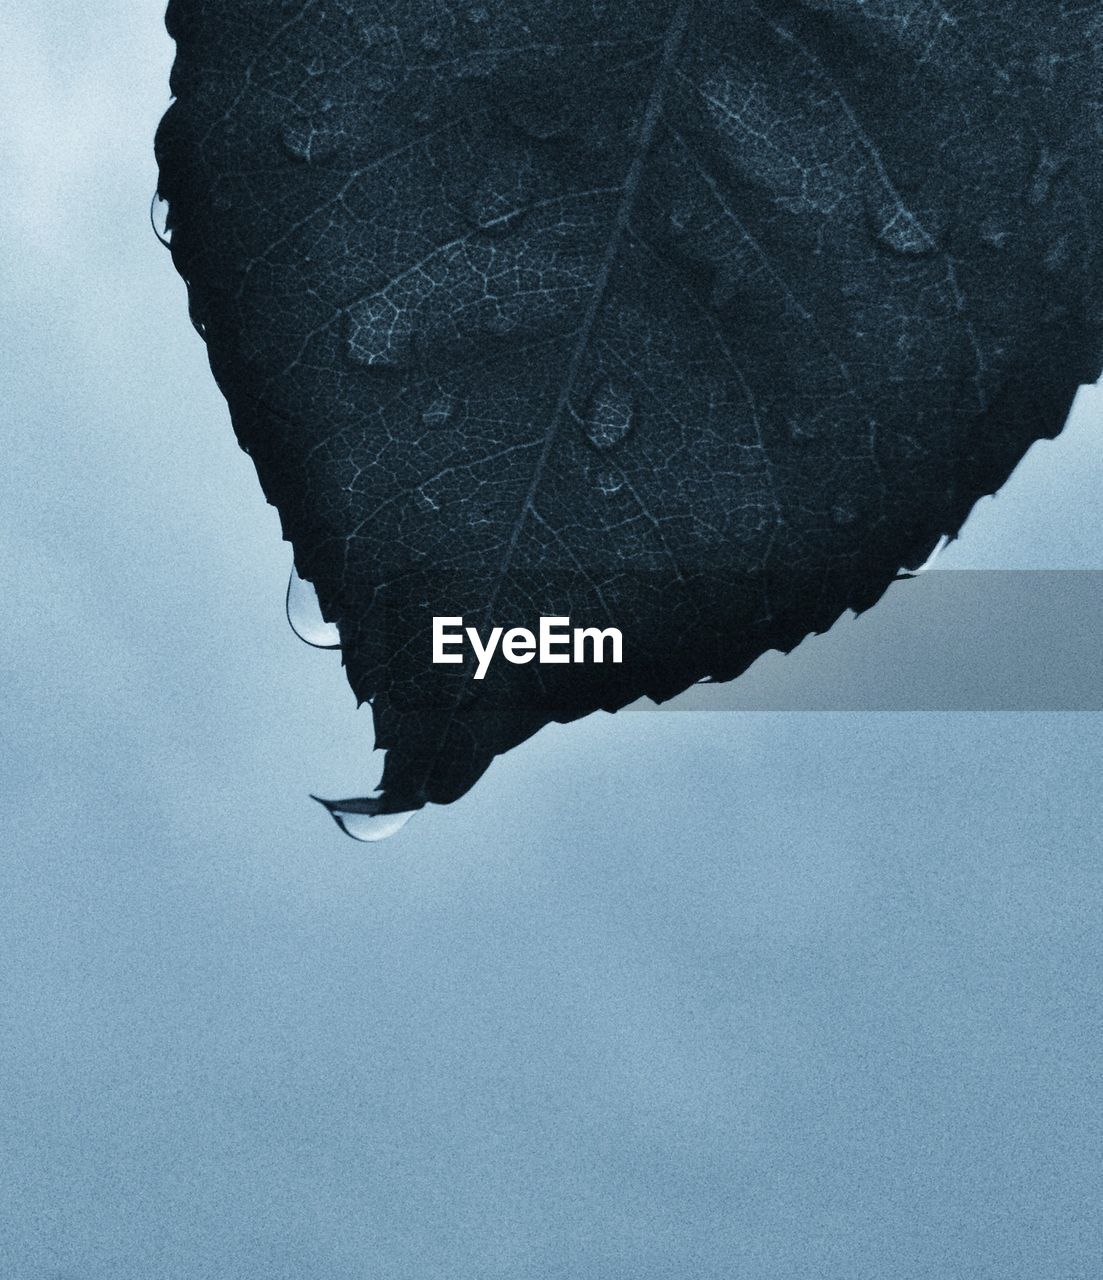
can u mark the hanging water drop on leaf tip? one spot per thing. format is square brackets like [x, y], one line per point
[159, 219]
[367, 827]
[304, 615]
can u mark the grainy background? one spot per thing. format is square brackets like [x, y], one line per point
[664, 996]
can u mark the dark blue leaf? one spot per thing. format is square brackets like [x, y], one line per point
[699, 320]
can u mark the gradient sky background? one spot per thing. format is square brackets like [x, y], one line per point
[681, 996]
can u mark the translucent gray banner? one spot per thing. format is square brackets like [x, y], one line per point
[952, 640]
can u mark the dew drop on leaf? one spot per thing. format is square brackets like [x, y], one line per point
[305, 615]
[495, 210]
[379, 333]
[497, 198]
[902, 233]
[159, 218]
[610, 416]
[357, 819]
[308, 138]
[936, 551]
[437, 412]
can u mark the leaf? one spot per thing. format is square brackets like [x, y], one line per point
[694, 320]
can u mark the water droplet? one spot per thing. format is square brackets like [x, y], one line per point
[496, 212]
[310, 138]
[497, 200]
[379, 333]
[496, 206]
[305, 615]
[361, 819]
[315, 65]
[159, 219]
[903, 233]
[437, 413]
[608, 482]
[610, 416]
[935, 552]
